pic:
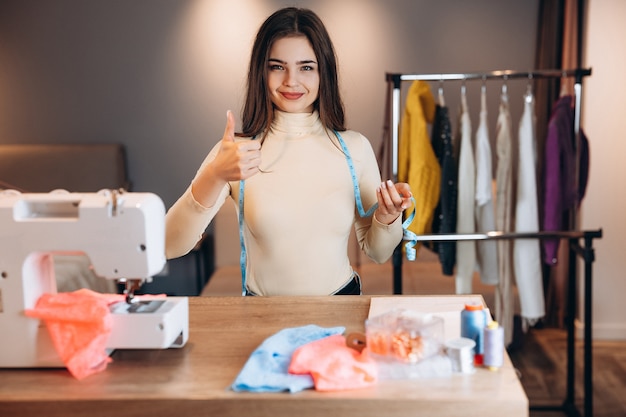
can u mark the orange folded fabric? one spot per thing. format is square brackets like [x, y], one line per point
[333, 365]
[79, 324]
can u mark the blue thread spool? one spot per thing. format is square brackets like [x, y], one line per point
[494, 346]
[473, 323]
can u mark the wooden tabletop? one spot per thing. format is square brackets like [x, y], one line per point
[223, 332]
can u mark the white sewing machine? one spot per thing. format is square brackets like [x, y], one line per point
[123, 234]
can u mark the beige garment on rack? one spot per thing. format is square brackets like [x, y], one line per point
[504, 302]
[486, 250]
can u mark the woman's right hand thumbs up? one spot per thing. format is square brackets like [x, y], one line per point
[236, 160]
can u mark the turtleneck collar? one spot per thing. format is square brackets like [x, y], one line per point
[303, 123]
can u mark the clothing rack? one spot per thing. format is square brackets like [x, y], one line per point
[585, 251]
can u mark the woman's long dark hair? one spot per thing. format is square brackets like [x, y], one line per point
[258, 111]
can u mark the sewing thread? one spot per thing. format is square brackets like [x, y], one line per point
[494, 346]
[461, 354]
[473, 323]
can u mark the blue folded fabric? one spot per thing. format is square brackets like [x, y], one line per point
[267, 368]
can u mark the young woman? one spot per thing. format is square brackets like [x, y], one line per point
[300, 180]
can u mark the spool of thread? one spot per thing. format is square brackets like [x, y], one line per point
[473, 323]
[461, 354]
[494, 346]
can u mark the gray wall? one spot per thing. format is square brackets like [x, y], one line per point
[159, 75]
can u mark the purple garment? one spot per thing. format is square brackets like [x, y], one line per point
[561, 190]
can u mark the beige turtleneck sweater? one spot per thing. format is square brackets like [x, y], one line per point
[298, 213]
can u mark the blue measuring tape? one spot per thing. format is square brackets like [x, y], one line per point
[411, 253]
[242, 245]
[406, 234]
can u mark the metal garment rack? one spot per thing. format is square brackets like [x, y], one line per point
[585, 251]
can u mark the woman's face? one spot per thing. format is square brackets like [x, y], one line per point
[293, 77]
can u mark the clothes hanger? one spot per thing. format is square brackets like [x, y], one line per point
[442, 102]
[504, 96]
[463, 95]
[483, 94]
[529, 89]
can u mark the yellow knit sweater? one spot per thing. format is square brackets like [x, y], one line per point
[417, 163]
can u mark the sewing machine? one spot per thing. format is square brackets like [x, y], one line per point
[123, 234]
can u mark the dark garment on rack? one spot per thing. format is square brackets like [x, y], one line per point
[562, 191]
[444, 220]
[562, 196]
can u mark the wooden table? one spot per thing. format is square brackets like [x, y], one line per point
[224, 331]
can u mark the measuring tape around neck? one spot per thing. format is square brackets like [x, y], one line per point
[407, 234]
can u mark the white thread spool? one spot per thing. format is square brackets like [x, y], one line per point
[494, 346]
[461, 353]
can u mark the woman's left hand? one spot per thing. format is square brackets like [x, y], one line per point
[393, 199]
